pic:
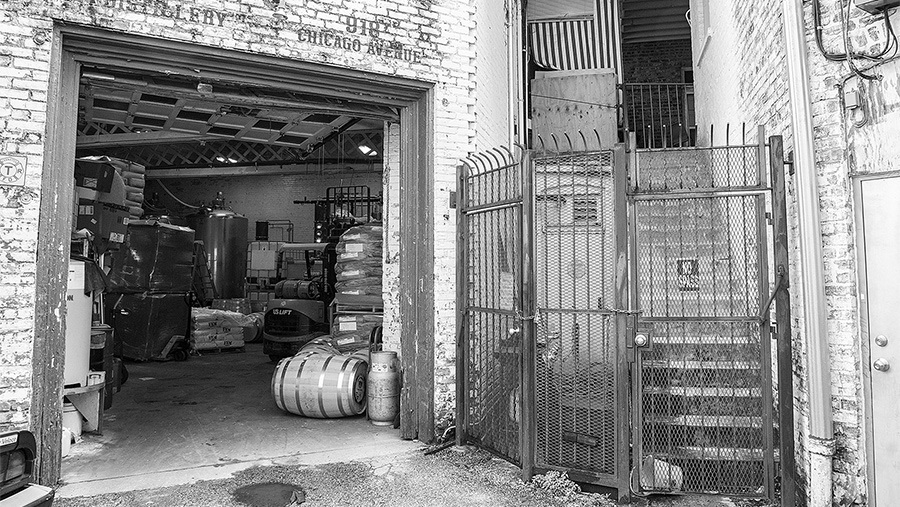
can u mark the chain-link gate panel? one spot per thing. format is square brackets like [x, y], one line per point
[490, 278]
[578, 401]
[703, 384]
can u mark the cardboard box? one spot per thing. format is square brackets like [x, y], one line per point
[107, 221]
[95, 173]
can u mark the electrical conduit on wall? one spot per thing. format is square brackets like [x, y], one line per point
[821, 433]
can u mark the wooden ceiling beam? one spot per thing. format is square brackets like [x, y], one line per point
[139, 139]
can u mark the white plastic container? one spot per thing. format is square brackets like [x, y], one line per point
[78, 328]
[71, 419]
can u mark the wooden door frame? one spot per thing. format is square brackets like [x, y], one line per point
[75, 45]
[857, 181]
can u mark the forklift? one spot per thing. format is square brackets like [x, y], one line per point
[299, 312]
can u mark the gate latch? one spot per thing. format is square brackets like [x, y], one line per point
[641, 340]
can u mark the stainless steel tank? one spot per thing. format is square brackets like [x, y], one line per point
[224, 234]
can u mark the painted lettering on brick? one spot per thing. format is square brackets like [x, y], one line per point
[166, 9]
[354, 33]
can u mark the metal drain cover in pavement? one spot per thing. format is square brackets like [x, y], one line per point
[270, 494]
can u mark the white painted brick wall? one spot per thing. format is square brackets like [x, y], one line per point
[443, 33]
[756, 56]
[24, 73]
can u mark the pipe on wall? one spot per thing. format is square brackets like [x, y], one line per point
[820, 444]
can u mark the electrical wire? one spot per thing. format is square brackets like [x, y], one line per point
[838, 57]
[179, 201]
[564, 99]
[845, 34]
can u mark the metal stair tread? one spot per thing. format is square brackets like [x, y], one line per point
[705, 340]
[715, 453]
[707, 392]
[709, 421]
[702, 365]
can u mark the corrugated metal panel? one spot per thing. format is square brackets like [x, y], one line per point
[655, 20]
[541, 9]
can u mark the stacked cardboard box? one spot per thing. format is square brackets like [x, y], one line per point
[100, 202]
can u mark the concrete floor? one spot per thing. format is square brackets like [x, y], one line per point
[205, 419]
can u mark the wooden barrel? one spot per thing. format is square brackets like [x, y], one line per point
[314, 384]
[383, 386]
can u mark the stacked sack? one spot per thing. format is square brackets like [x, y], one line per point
[133, 174]
[219, 329]
[358, 265]
[358, 273]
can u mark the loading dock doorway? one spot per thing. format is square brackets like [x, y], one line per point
[317, 86]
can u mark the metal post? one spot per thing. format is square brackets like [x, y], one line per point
[783, 325]
[462, 274]
[528, 311]
[620, 214]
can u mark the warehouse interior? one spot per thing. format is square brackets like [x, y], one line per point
[226, 249]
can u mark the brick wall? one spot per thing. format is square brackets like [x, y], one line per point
[437, 46]
[24, 74]
[741, 77]
[657, 61]
[491, 76]
[845, 148]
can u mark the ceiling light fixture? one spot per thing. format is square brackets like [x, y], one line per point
[365, 149]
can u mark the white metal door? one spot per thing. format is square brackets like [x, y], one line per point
[881, 229]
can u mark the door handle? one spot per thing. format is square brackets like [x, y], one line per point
[881, 340]
[881, 364]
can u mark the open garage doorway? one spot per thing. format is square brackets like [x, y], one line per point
[290, 155]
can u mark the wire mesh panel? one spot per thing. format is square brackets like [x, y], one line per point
[576, 365]
[703, 396]
[490, 194]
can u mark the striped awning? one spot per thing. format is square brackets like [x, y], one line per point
[564, 44]
[575, 44]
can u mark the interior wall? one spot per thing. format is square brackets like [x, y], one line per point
[264, 197]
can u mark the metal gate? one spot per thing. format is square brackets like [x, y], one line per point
[542, 283]
[489, 296]
[702, 382]
[580, 374]
[613, 316]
